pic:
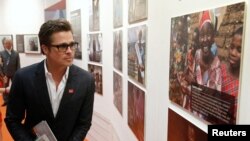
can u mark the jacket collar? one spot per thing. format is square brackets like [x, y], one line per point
[43, 93]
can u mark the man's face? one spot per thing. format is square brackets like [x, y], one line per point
[56, 57]
[206, 38]
[7, 44]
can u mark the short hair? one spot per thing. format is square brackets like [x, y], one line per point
[4, 38]
[50, 27]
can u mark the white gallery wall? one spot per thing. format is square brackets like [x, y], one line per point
[22, 17]
[28, 20]
[157, 101]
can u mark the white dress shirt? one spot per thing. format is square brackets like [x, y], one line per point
[55, 95]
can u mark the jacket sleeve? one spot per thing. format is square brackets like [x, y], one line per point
[16, 112]
[84, 120]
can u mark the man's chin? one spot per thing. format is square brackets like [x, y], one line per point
[205, 52]
[68, 63]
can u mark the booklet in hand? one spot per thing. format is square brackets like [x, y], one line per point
[43, 132]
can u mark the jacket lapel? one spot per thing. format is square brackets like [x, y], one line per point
[69, 91]
[42, 90]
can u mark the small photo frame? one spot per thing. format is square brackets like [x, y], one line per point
[31, 44]
[137, 11]
[94, 16]
[96, 72]
[95, 47]
[137, 52]
[117, 13]
[20, 43]
[136, 110]
[1, 40]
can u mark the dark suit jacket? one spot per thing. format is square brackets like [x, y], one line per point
[29, 100]
[13, 61]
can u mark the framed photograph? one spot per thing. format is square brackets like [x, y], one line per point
[20, 43]
[31, 44]
[117, 91]
[117, 51]
[137, 11]
[137, 53]
[117, 13]
[55, 9]
[180, 129]
[1, 40]
[136, 110]
[204, 70]
[95, 47]
[75, 19]
[96, 71]
[94, 18]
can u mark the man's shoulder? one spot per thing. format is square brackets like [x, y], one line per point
[29, 69]
[14, 52]
[2, 52]
[76, 70]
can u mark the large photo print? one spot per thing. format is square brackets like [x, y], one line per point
[205, 56]
[137, 54]
[180, 129]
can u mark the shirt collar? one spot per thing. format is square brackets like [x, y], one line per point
[48, 73]
[9, 51]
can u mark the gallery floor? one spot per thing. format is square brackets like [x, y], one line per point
[5, 133]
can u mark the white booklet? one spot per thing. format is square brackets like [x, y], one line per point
[42, 138]
[43, 132]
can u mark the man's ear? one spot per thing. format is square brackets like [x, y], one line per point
[45, 49]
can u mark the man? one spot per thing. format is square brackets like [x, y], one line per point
[207, 63]
[54, 90]
[11, 63]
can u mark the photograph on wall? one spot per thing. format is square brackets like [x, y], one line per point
[205, 56]
[75, 20]
[117, 90]
[95, 47]
[31, 44]
[137, 53]
[117, 51]
[20, 43]
[117, 13]
[137, 11]
[55, 9]
[180, 129]
[2, 38]
[136, 110]
[94, 18]
[96, 71]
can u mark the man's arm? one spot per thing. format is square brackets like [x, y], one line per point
[85, 118]
[16, 111]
